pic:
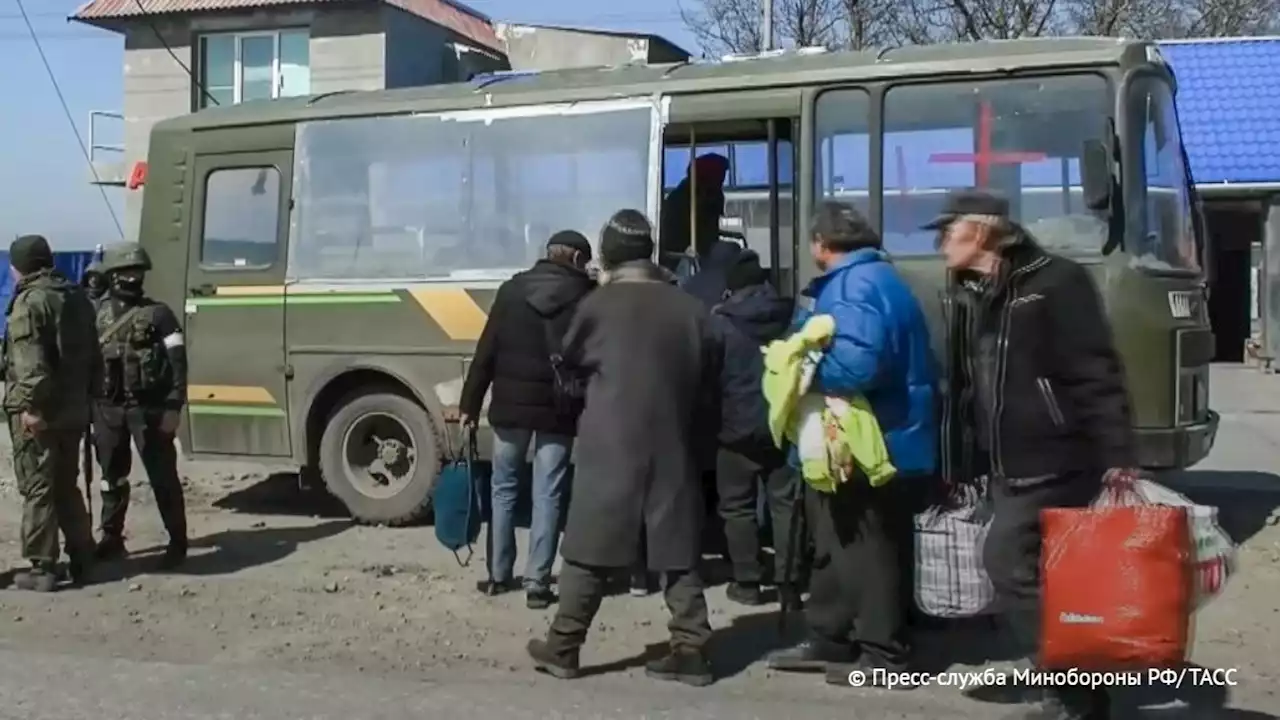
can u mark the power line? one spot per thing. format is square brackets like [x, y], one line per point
[66, 109]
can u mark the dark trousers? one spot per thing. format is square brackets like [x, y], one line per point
[740, 471]
[46, 465]
[1011, 553]
[114, 427]
[860, 583]
[582, 588]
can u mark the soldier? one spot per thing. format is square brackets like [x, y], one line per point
[50, 359]
[95, 284]
[143, 390]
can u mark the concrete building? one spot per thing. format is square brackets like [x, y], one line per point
[185, 55]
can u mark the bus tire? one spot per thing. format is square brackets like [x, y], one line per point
[352, 436]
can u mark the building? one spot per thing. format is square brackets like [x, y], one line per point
[184, 55]
[1229, 111]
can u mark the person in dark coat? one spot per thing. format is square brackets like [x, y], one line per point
[530, 313]
[1037, 402]
[691, 213]
[750, 316]
[650, 360]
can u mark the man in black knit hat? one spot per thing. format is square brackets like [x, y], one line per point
[46, 399]
[648, 356]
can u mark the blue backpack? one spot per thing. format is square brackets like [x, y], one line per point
[455, 500]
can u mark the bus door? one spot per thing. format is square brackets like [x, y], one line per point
[234, 304]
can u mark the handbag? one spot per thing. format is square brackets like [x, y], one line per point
[455, 500]
[950, 578]
[569, 391]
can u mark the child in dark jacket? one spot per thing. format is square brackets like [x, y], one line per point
[751, 315]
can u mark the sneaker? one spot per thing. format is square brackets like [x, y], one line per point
[539, 597]
[811, 656]
[36, 579]
[684, 666]
[110, 547]
[493, 588]
[173, 556]
[547, 661]
[744, 593]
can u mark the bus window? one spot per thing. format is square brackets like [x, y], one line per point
[843, 157]
[675, 162]
[241, 217]
[751, 165]
[1169, 240]
[1020, 138]
[441, 198]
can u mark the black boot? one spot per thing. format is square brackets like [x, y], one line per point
[682, 665]
[79, 570]
[173, 556]
[563, 666]
[110, 547]
[493, 588]
[39, 578]
[744, 593]
[538, 597]
[811, 655]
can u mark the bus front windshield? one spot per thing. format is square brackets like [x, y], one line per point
[1161, 228]
[1022, 138]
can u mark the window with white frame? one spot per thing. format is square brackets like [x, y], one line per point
[238, 67]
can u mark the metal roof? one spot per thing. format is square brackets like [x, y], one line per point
[579, 84]
[1229, 108]
[455, 16]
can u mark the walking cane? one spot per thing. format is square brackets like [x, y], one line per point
[798, 533]
[87, 461]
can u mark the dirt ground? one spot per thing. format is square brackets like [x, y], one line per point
[279, 578]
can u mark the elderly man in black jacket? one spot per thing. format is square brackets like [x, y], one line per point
[1037, 402]
[650, 361]
[529, 316]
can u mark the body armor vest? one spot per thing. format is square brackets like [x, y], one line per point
[134, 360]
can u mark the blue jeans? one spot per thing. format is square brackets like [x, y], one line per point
[551, 456]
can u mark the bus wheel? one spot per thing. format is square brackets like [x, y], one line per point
[380, 456]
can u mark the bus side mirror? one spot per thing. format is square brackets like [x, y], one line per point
[1095, 175]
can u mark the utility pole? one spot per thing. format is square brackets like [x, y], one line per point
[766, 37]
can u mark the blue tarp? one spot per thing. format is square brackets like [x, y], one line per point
[71, 264]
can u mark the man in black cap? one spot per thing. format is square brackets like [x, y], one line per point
[514, 355]
[1036, 403]
[47, 400]
[648, 356]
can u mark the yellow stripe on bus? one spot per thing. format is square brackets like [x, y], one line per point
[453, 310]
[229, 394]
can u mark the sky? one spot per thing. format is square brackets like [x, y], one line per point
[44, 177]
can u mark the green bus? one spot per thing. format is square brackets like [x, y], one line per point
[334, 256]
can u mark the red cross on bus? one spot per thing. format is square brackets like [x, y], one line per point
[985, 157]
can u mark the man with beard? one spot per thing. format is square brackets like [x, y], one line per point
[647, 354]
[144, 387]
[1036, 402]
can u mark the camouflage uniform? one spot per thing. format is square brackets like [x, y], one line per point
[94, 282]
[50, 362]
[144, 380]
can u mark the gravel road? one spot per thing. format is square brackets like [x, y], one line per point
[287, 610]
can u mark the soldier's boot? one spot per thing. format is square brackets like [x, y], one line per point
[80, 570]
[39, 578]
[110, 547]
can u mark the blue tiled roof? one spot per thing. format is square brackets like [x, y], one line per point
[1229, 108]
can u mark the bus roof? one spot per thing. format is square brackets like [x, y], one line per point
[579, 84]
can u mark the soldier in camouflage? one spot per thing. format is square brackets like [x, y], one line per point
[50, 362]
[143, 389]
[94, 282]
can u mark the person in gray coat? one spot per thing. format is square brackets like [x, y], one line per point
[650, 359]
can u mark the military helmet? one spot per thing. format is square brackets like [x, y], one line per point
[94, 268]
[128, 256]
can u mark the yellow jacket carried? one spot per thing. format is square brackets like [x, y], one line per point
[834, 437]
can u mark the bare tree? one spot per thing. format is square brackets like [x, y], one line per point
[1175, 18]
[735, 26]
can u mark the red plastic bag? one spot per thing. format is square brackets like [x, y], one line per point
[1117, 584]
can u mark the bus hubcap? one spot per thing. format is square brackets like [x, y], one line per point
[380, 455]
